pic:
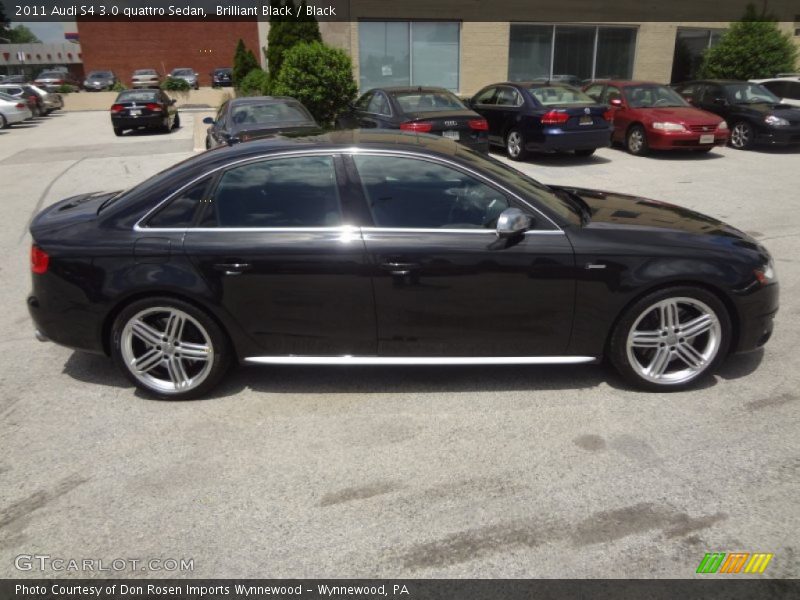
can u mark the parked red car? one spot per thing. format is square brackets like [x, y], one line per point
[653, 116]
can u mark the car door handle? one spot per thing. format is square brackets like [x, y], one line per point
[399, 268]
[233, 268]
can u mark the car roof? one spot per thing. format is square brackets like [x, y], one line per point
[409, 89]
[716, 81]
[261, 100]
[788, 78]
[629, 82]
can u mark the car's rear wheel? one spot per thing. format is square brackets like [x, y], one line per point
[118, 131]
[176, 124]
[169, 348]
[636, 141]
[3, 122]
[671, 338]
[742, 135]
[585, 152]
[515, 145]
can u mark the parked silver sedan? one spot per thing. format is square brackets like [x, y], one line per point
[13, 110]
[145, 78]
[190, 76]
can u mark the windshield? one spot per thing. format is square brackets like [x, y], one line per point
[51, 75]
[183, 72]
[411, 102]
[99, 75]
[271, 113]
[560, 95]
[138, 96]
[527, 185]
[652, 96]
[749, 93]
[145, 72]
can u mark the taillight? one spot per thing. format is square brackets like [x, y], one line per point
[21, 105]
[555, 117]
[115, 108]
[153, 107]
[609, 115]
[39, 260]
[479, 124]
[418, 126]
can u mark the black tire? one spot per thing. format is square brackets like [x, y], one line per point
[585, 152]
[705, 150]
[742, 135]
[3, 122]
[515, 145]
[221, 348]
[636, 141]
[166, 127]
[208, 143]
[641, 310]
[118, 131]
[176, 123]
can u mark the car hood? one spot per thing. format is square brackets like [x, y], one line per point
[681, 114]
[668, 223]
[786, 111]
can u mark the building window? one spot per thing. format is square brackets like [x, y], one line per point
[690, 46]
[408, 53]
[570, 52]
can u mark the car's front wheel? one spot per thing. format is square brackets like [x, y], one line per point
[515, 145]
[742, 135]
[118, 131]
[671, 338]
[3, 122]
[636, 141]
[169, 348]
[585, 152]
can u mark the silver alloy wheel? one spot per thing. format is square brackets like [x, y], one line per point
[514, 144]
[740, 136]
[635, 140]
[674, 340]
[167, 349]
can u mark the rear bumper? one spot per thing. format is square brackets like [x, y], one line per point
[660, 140]
[134, 122]
[144, 84]
[18, 117]
[554, 139]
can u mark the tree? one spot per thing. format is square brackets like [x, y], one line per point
[244, 61]
[286, 32]
[320, 77]
[22, 35]
[753, 47]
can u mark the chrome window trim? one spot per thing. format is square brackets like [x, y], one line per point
[434, 230]
[138, 227]
[418, 360]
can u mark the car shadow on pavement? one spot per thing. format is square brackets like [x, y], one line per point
[146, 132]
[557, 159]
[794, 149]
[100, 370]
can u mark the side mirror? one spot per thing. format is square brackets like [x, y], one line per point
[512, 221]
[616, 102]
[172, 102]
[208, 120]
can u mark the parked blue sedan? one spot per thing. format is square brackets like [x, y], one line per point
[529, 117]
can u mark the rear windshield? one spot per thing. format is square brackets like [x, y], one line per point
[411, 102]
[652, 96]
[269, 113]
[183, 72]
[99, 74]
[135, 96]
[8, 98]
[51, 75]
[561, 95]
[145, 72]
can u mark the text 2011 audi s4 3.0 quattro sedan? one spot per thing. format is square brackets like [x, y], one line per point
[385, 248]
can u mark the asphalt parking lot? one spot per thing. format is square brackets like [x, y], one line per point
[398, 472]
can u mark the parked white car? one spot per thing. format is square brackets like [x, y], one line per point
[785, 88]
[13, 110]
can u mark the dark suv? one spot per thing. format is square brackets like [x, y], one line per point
[753, 113]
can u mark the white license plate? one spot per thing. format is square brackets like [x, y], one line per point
[134, 113]
[707, 139]
[453, 135]
[585, 120]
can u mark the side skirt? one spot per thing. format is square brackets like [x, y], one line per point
[418, 360]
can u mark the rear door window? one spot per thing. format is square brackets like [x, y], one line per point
[181, 210]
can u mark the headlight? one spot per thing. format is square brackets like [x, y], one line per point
[667, 126]
[766, 274]
[723, 126]
[775, 121]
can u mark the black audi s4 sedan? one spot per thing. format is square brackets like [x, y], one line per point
[383, 248]
[431, 110]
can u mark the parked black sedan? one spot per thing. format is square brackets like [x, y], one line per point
[381, 248]
[149, 109]
[421, 109]
[543, 117]
[753, 113]
[222, 77]
[253, 117]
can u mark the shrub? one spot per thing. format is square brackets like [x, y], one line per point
[753, 47]
[173, 84]
[244, 61]
[66, 88]
[287, 32]
[320, 77]
[118, 87]
[255, 83]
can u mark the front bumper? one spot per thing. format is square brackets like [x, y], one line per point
[662, 140]
[756, 315]
[556, 139]
[779, 136]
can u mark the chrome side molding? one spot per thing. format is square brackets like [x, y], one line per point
[418, 360]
